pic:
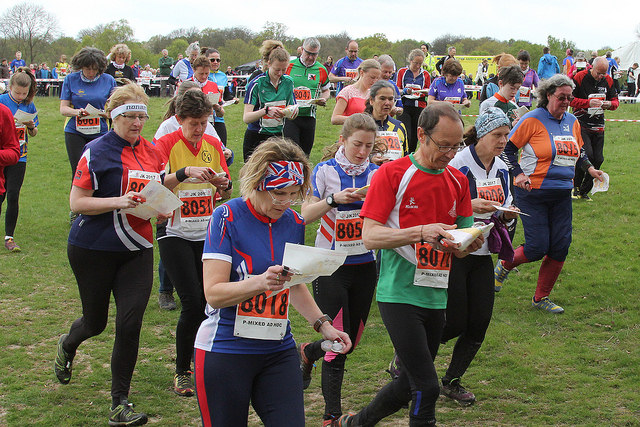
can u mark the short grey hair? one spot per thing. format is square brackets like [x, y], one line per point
[195, 46]
[549, 86]
[386, 60]
[311, 42]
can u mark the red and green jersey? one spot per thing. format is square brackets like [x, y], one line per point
[309, 82]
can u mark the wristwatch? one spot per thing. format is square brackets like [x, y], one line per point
[318, 323]
[331, 201]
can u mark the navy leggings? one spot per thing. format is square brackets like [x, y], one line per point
[227, 383]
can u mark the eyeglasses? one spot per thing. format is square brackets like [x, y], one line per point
[353, 51]
[281, 201]
[310, 53]
[215, 59]
[446, 148]
[142, 117]
[564, 98]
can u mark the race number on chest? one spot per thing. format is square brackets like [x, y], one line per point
[432, 267]
[490, 189]
[567, 150]
[137, 180]
[89, 126]
[348, 233]
[196, 208]
[264, 316]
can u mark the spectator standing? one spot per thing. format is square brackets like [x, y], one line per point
[632, 77]
[136, 68]
[165, 64]
[62, 68]
[5, 71]
[548, 64]
[182, 70]
[429, 63]
[120, 54]
[345, 71]
[481, 72]
[328, 63]
[594, 93]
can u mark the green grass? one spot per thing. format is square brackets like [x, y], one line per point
[580, 368]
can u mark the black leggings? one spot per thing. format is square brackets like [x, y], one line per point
[182, 260]
[469, 309]
[594, 147]
[410, 119]
[221, 130]
[251, 140]
[75, 143]
[415, 333]
[345, 296]
[129, 275]
[13, 178]
[302, 131]
[227, 383]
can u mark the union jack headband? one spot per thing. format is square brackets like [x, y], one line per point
[281, 175]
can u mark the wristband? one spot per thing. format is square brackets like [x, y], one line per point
[266, 110]
[181, 175]
[318, 323]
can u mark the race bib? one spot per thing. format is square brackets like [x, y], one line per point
[413, 87]
[269, 121]
[196, 208]
[21, 132]
[392, 141]
[352, 73]
[263, 317]
[88, 126]
[348, 232]
[597, 110]
[525, 94]
[567, 151]
[452, 99]
[490, 189]
[137, 180]
[302, 95]
[432, 267]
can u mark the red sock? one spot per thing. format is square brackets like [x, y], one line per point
[549, 271]
[518, 258]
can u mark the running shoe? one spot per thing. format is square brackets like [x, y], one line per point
[455, 391]
[343, 420]
[394, 369]
[586, 198]
[64, 361]
[306, 366]
[11, 245]
[124, 415]
[547, 305]
[331, 422]
[575, 193]
[166, 301]
[182, 384]
[500, 274]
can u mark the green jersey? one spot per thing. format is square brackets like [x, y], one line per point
[309, 83]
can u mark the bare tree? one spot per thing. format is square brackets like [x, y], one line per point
[30, 26]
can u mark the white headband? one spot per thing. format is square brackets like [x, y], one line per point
[127, 107]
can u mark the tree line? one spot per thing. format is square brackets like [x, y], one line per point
[34, 31]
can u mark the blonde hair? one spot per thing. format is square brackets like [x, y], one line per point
[121, 49]
[274, 149]
[23, 77]
[368, 64]
[128, 93]
[272, 50]
[504, 60]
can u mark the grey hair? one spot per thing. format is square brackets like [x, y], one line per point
[386, 60]
[195, 46]
[414, 53]
[549, 86]
[311, 42]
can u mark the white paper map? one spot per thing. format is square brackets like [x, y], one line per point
[600, 186]
[310, 262]
[159, 200]
[23, 117]
[93, 112]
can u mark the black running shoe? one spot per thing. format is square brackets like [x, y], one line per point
[64, 361]
[124, 415]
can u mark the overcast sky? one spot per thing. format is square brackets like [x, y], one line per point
[583, 22]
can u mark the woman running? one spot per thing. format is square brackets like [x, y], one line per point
[200, 169]
[22, 90]
[246, 342]
[346, 295]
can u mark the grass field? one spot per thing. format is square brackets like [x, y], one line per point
[534, 369]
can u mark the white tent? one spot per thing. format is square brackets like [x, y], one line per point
[628, 54]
